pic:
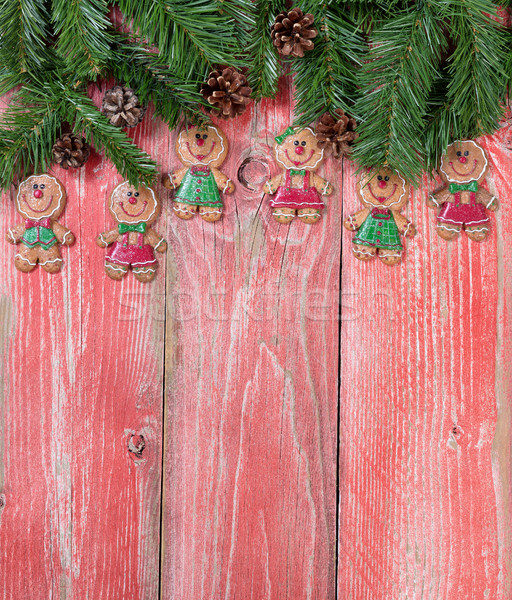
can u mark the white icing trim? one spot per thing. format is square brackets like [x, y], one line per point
[64, 238]
[407, 228]
[210, 212]
[160, 242]
[131, 221]
[183, 210]
[59, 185]
[481, 229]
[280, 214]
[431, 197]
[226, 186]
[283, 204]
[278, 146]
[354, 249]
[111, 266]
[491, 201]
[174, 186]
[25, 259]
[387, 255]
[351, 221]
[50, 261]
[468, 223]
[364, 183]
[309, 215]
[146, 262]
[473, 177]
[440, 226]
[103, 239]
[12, 236]
[187, 161]
[149, 270]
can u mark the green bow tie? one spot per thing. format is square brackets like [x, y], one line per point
[297, 172]
[139, 227]
[463, 187]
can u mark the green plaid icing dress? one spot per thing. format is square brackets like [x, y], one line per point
[379, 230]
[199, 188]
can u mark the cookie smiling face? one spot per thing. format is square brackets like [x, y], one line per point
[130, 204]
[201, 146]
[41, 197]
[464, 162]
[298, 150]
[384, 187]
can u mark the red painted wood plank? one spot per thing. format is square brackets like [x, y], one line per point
[83, 373]
[418, 506]
[250, 429]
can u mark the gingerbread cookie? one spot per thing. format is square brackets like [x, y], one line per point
[202, 150]
[297, 190]
[133, 242]
[379, 225]
[463, 203]
[41, 200]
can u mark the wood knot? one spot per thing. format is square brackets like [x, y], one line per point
[136, 445]
[2, 502]
[253, 172]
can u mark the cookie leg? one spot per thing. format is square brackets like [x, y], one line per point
[363, 252]
[184, 211]
[210, 213]
[115, 271]
[389, 257]
[26, 259]
[448, 231]
[283, 215]
[144, 274]
[50, 260]
[309, 215]
[478, 233]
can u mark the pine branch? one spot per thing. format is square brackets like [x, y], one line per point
[84, 41]
[24, 34]
[396, 81]
[326, 76]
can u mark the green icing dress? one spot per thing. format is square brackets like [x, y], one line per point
[379, 230]
[199, 188]
[39, 235]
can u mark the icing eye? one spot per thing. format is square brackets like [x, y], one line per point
[198, 136]
[42, 186]
[459, 153]
[204, 136]
[136, 194]
[303, 143]
[129, 194]
[386, 178]
[466, 153]
[379, 177]
[35, 186]
[296, 143]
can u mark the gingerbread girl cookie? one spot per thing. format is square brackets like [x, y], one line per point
[133, 242]
[297, 190]
[202, 150]
[41, 200]
[463, 203]
[379, 225]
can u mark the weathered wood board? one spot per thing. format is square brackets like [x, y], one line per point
[270, 419]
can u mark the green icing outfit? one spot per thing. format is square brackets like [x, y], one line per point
[39, 233]
[199, 188]
[379, 230]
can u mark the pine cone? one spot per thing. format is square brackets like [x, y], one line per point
[122, 107]
[227, 92]
[292, 33]
[70, 150]
[336, 135]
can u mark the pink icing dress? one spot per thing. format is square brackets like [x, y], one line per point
[297, 198]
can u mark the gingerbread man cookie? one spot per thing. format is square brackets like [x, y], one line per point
[463, 203]
[202, 150]
[379, 225]
[297, 190]
[133, 242]
[41, 200]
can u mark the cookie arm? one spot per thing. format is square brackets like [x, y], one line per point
[271, 185]
[156, 241]
[224, 184]
[14, 234]
[324, 187]
[63, 234]
[106, 238]
[439, 198]
[353, 222]
[405, 227]
[173, 179]
[487, 199]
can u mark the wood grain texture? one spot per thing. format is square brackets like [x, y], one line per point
[83, 373]
[249, 487]
[418, 505]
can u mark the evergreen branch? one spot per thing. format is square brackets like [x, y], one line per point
[475, 80]
[326, 77]
[402, 66]
[24, 35]
[83, 42]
